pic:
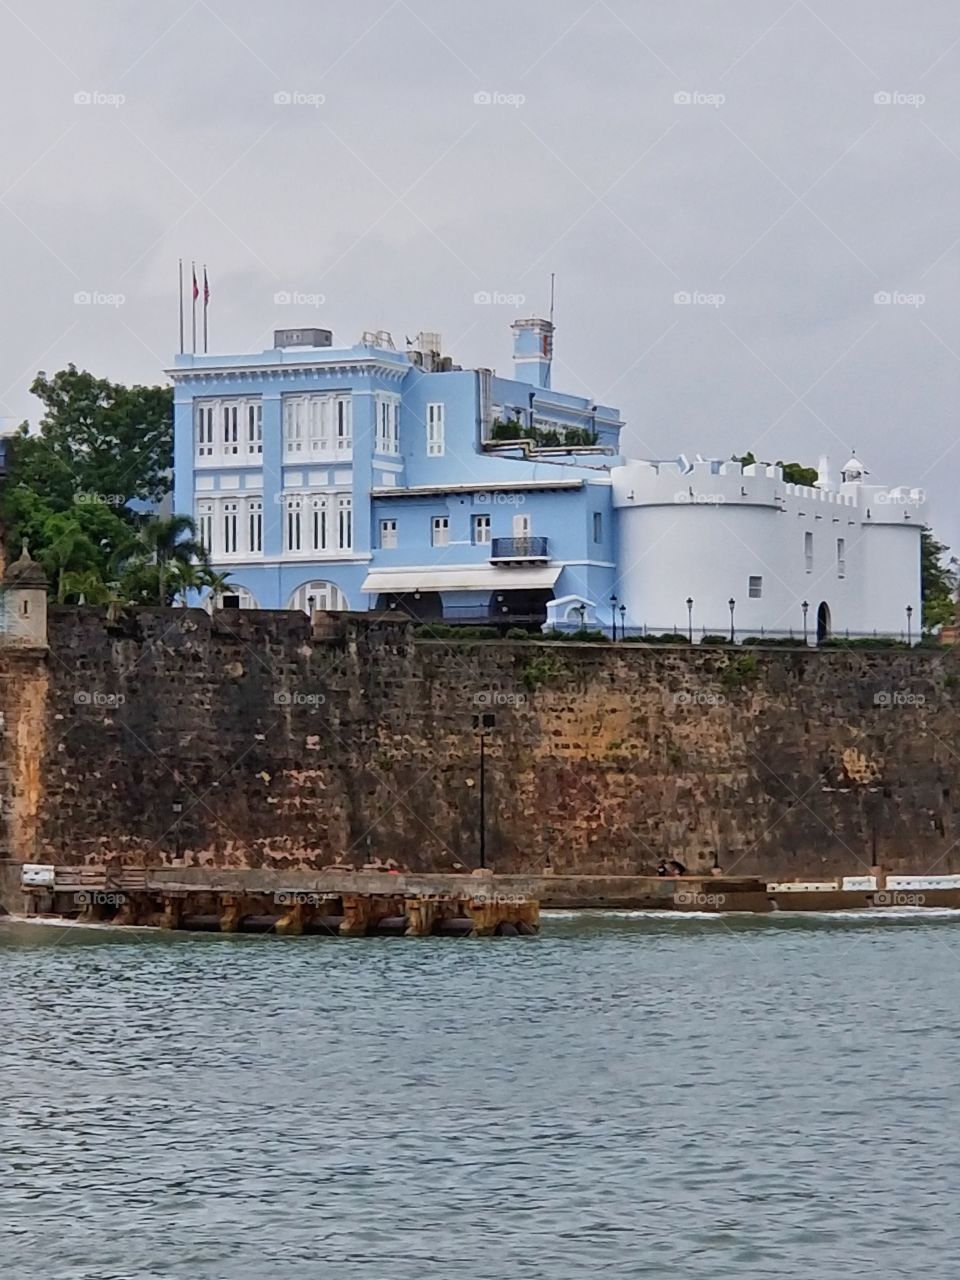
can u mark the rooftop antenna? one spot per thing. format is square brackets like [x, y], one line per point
[553, 284]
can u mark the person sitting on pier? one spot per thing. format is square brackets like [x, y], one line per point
[676, 868]
[662, 868]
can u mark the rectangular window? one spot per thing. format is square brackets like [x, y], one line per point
[294, 530]
[755, 588]
[388, 534]
[344, 416]
[231, 430]
[228, 430]
[808, 551]
[435, 442]
[255, 524]
[320, 523]
[205, 525]
[205, 413]
[319, 416]
[255, 428]
[598, 526]
[440, 531]
[481, 530]
[841, 558]
[345, 522]
[294, 410]
[388, 424]
[230, 510]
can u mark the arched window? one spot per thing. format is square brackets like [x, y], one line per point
[318, 595]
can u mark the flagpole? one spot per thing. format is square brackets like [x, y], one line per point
[206, 300]
[193, 304]
[181, 306]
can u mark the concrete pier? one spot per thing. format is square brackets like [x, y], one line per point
[338, 903]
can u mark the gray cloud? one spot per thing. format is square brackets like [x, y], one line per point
[798, 198]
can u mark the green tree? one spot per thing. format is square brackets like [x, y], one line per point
[793, 472]
[938, 582]
[115, 441]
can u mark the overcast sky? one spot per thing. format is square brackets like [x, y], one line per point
[730, 150]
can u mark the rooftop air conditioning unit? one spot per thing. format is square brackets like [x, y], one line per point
[302, 338]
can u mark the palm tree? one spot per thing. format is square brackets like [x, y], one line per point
[216, 582]
[85, 584]
[167, 542]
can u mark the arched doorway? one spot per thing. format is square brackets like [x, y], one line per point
[232, 597]
[318, 595]
[823, 622]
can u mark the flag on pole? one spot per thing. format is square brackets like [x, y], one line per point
[181, 305]
[206, 303]
[196, 295]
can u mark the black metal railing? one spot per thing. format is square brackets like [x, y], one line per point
[524, 548]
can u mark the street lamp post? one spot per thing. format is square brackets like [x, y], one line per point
[177, 808]
[482, 722]
[690, 618]
[613, 614]
[909, 624]
[731, 604]
[582, 610]
[805, 606]
[623, 621]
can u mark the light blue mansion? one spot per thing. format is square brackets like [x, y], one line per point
[368, 478]
[371, 478]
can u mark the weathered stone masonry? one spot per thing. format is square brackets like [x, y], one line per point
[285, 749]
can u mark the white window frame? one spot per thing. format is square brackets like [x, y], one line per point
[293, 524]
[388, 535]
[841, 558]
[227, 430]
[481, 528]
[388, 425]
[436, 442]
[205, 515]
[755, 587]
[808, 551]
[255, 526]
[344, 522]
[320, 523]
[230, 526]
[318, 425]
[440, 531]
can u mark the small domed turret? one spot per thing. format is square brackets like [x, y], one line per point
[25, 602]
[25, 572]
[854, 471]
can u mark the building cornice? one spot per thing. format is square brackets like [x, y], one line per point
[502, 486]
[288, 372]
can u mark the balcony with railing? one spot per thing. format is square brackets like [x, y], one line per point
[518, 550]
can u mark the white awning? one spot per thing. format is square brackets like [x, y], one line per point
[465, 577]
